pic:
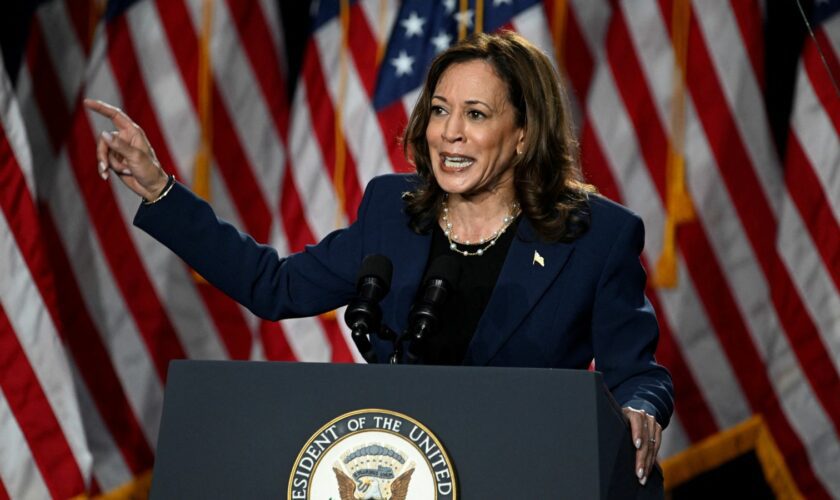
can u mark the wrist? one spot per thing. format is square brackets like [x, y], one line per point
[156, 187]
[170, 181]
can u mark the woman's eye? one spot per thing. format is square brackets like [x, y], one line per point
[437, 110]
[475, 115]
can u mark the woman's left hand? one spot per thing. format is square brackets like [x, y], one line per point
[647, 437]
[128, 153]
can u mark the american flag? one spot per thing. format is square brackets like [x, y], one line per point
[808, 236]
[45, 453]
[741, 244]
[741, 329]
[193, 73]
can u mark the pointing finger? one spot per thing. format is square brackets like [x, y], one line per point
[113, 113]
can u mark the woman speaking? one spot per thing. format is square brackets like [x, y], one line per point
[549, 276]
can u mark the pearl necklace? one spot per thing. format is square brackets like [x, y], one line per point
[490, 240]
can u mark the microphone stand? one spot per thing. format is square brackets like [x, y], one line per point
[424, 317]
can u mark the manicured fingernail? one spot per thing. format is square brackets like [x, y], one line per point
[126, 172]
[640, 473]
[643, 480]
[107, 136]
[104, 175]
[638, 443]
[102, 167]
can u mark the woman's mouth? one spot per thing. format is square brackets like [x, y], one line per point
[454, 162]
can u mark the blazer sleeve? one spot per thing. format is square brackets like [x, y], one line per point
[318, 279]
[625, 331]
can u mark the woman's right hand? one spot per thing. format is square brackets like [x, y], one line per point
[127, 153]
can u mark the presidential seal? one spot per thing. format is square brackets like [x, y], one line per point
[372, 454]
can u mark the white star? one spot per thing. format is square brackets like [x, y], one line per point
[465, 17]
[413, 25]
[441, 41]
[450, 6]
[496, 3]
[403, 63]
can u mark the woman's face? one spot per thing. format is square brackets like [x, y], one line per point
[472, 132]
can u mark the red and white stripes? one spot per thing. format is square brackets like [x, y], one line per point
[45, 449]
[751, 328]
[740, 333]
[131, 306]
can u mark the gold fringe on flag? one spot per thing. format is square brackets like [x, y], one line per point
[340, 147]
[95, 13]
[558, 31]
[136, 489]
[678, 202]
[462, 22]
[479, 16]
[201, 177]
[714, 451]
[381, 35]
[204, 155]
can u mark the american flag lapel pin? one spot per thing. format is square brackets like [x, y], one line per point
[538, 259]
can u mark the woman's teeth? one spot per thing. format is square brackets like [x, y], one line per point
[457, 162]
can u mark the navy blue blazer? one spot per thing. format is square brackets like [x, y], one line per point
[584, 300]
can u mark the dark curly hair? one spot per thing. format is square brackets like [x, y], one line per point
[547, 177]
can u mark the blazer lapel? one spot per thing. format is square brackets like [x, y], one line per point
[530, 267]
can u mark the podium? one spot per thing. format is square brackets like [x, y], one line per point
[237, 429]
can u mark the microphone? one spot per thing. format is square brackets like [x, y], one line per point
[424, 320]
[363, 315]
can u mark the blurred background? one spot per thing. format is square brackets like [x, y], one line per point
[716, 121]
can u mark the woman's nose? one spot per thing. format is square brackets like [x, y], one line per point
[453, 129]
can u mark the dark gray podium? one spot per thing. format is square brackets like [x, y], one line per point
[234, 429]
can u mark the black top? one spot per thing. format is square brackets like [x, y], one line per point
[463, 309]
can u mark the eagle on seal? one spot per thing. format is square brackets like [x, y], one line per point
[371, 488]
